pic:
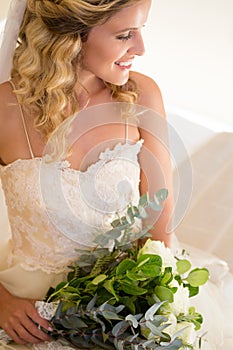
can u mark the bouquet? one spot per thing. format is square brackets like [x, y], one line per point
[130, 296]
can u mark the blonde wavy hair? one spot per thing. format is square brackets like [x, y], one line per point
[48, 52]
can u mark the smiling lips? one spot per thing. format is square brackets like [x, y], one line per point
[124, 65]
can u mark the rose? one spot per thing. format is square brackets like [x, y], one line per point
[183, 330]
[158, 248]
[172, 321]
[187, 332]
[181, 302]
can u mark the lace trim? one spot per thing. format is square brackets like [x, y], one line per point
[4, 338]
[46, 310]
[65, 164]
[54, 345]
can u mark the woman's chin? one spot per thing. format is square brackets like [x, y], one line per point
[120, 79]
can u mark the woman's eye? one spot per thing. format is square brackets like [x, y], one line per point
[125, 37]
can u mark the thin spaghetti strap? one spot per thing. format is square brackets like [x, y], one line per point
[126, 131]
[23, 121]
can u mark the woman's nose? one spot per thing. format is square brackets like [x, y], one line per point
[137, 47]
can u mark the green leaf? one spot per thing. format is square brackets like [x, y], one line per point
[164, 294]
[198, 277]
[151, 270]
[129, 303]
[149, 258]
[135, 276]
[109, 285]
[183, 266]
[192, 290]
[132, 289]
[125, 265]
[168, 276]
[99, 279]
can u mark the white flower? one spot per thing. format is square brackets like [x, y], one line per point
[181, 301]
[188, 334]
[174, 284]
[173, 322]
[158, 248]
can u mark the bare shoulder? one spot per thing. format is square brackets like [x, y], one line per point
[7, 101]
[4, 96]
[149, 94]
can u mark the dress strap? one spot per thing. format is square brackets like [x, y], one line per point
[23, 121]
[126, 131]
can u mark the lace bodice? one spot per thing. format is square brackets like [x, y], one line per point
[54, 209]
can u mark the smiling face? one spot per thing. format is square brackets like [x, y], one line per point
[110, 48]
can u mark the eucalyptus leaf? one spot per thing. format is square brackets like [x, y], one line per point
[109, 315]
[143, 200]
[162, 194]
[91, 303]
[183, 266]
[73, 322]
[142, 212]
[80, 342]
[174, 345]
[155, 206]
[120, 328]
[155, 330]
[149, 315]
[132, 319]
[198, 277]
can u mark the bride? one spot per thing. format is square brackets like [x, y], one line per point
[71, 56]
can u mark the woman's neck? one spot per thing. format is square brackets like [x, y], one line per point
[89, 89]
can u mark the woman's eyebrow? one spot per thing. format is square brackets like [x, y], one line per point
[126, 30]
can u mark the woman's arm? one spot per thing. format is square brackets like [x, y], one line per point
[154, 158]
[20, 319]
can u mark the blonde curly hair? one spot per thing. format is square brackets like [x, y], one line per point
[48, 52]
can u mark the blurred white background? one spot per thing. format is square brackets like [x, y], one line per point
[190, 54]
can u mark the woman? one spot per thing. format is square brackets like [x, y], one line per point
[71, 55]
[74, 55]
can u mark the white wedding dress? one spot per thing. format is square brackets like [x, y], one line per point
[45, 232]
